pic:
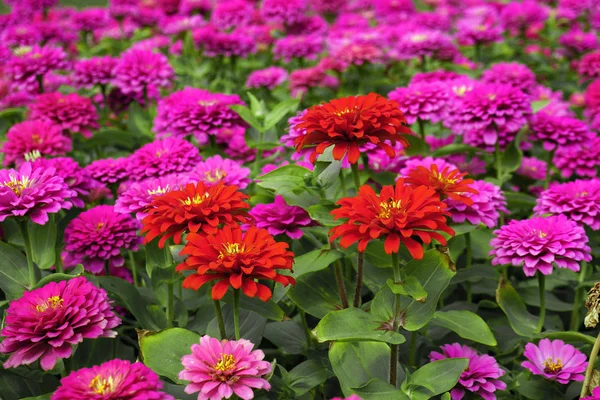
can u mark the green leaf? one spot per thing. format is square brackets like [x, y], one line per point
[416, 145]
[280, 111]
[287, 335]
[247, 115]
[522, 322]
[511, 158]
[131, 299]
[57, 277]
[322, 214]
[454, 148]
[43, 243]
[252, 325]
[316, 293]
[570, 337]
[162, 351]
[466, 324]
[376, 389]
[257, 106]
[289, 181]
[96, 351]
[307, 375]
[409, 287]
[42, 397]
[14, 276]
[329, 174]
[437, 377]
[357, 363]
[114, 137]
[268, 309]
[140, 123]
[538, 105]
[519, 200]
[315, 260]
[353, 324]
[157, 257]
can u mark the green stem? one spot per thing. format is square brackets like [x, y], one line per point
[40, 81]
[306, 328]
[549, 169]
[339, 278]
[421, 128]
[236, 313]
[170, 304]
[359, 279]
[542, 289]
[220, 321]
[412, 355]
[28, 253]
[423, 63]
[589, 372]
[478, 52]
[469, 261]
[133, 268]
[212, 141]
[104, 101]
[68, 364]
[355, 176]
[394, 347]
[343, 184]
[498, 160]
[256, 166]
[579, 296]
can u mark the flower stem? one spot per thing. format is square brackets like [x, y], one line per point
[340, 282]
[394, 347]
[359, 278]
[306, 328]
[498, 160]
[576, 313]
[421, 128]
[355, 176]
[170, 304]
[342, 184]
[549, 169]
[256, 166]
[469, 261]
[220, 321]
[133, 268]
[28, 253]
[542, 289]
[412, 355]
[589, 372]
[236, 313]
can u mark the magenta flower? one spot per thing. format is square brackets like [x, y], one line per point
[471, 165]
[482, 376]
[555, 361]
[42, 137]
[577, 41]
[176, 24]
[595, 394]
[237, 43]
[537, 244]
[518, 16]
[582, 160]
[21, 35]
[94, 71]
[196, 112]
[28, 63]
[426, 162]
[32, 192]
[301, 80]
[420, 43]
[486, 208]
[71, 112]
[109, 170]
[140, 70]
[45, 323]
[218, 369]
[231, 14]
[236, 146]
[268, 78]
[533, 168]
[358, 54]
[78, 180]
[96, 237]
[579, 200]
[285, 12]
[91, 18]
[114, 379]
[558, 132]
[217, 169]
[380, 161]
[436, 76]
[393, 10]
[424, 101]
[279, 218]
[163, 157]
[17, 99]
[471, 31]
[352, 397]
[589, 66]
[136, 196]
[298, 46]
[510, 73]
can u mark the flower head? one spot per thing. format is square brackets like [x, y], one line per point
[236, 43]
[555, 361]
[77, 178]
[482, 376]
[582, 160]
[237, 259]
[268, 78]
[21, 35]
[27, 63]
[533, 168]
[114, 379]
[595, 395]
[578, 42]
[90, 18]
[34, 136]
[349, 122]
[194, 208]
[301, 80]
[231, 14]
[558, 132]
[488, 202]
[447, 183]
[218, 369]
[538, 243]
[511, 73]
[518, 16]
[421, 43]
[400, 214]
[142, 69]
[109, 170]
[71, 112]
[280, 218]
[32, 192]
[589, 66]
[217, 169]
[94, 71]
[45, 323]
[283, 11]
[425, 101]
[298, 46]
[96, 237]
[471, 32]
[163, 157]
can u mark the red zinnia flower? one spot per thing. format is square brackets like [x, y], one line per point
[447, 183]
[194, 208]
[236, 259]
[350, 122]
[399, 214]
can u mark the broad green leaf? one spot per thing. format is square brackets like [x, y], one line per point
[511, 158]
[162, 351]
[279, 112]
[329, 174]
[538, 105]
[409, 287]
[57, 277]
[96, 351]
[287, 335]
[353, 324]
[43, 243]
[257, 106]
[157, 257]
[247, 115]
[522, 322]
[466, 324]
[316, 293]
[268, 309]
[357, 363]
[307, 375]
[289, 181]
[436, 378]
[322, 214]
[570, 337]
[315, 260]
[140, 122]
[14, 275]
[376, 389]
[252, 325]
[519, 200]
[416, 145]
[454, 148]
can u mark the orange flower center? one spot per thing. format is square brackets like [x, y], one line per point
[160, 152]
[225, 364]
[492, 96]
[214, 176]
[36, 139]
[99, 225]
[17, 186]
[195, 201]
[551, 366]
[231, 249]
[100, 385]
[388, 208]
[581, 194]
[53, 302]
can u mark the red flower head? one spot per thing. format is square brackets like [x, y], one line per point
[236, 259]
[350, 122]
[194, 208]
[399, 214]
[447, 183]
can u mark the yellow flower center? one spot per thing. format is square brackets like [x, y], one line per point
[53, 302]
[160, 152]
[214, 176]
[100, 385]
[32, 155]
[492, 96]
[195, 201]
[99, 225]
[231, 249]
[17, 186]
[388, 207]
[581, 194]
[345, 111]
[445, 180]
[460, 90]
[420, 37]
[206, 102]
[225, 364]
[36, 139]
[158, 190]
[22, 50]
[551, 366]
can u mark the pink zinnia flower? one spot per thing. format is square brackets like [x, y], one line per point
[140, 70]
[279, 218]
[358, 54]
[538, 243]
[380, 161]
[114, 379]
[268, 78]
[579, 200]
[555, 361]
[510, 73]
[78, 180]
[71, 112]
[45, 323]
[577, 41]
[94, 71]
[196, 112]
[217, 169]
[533, 168]
[589, 66]
[163, 157]
[231, 14]
[28, 63]
[285, 12]
[21, 35]
[486, 208]
[109, 170]
[482, 376]
[582, 160]
[518, 16]
[426, 162]
[594, 396]
[471, 165]
[436, 77]
[424, 101]
[298, 46]
[237, 43]
[301, 80]
[42, 137]
[420, 43]
[558, 132]
[393, 10]
[90, 18]
[32, 192]
[471, 31]
[218, 369]
[96, 237]
[176, 24]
